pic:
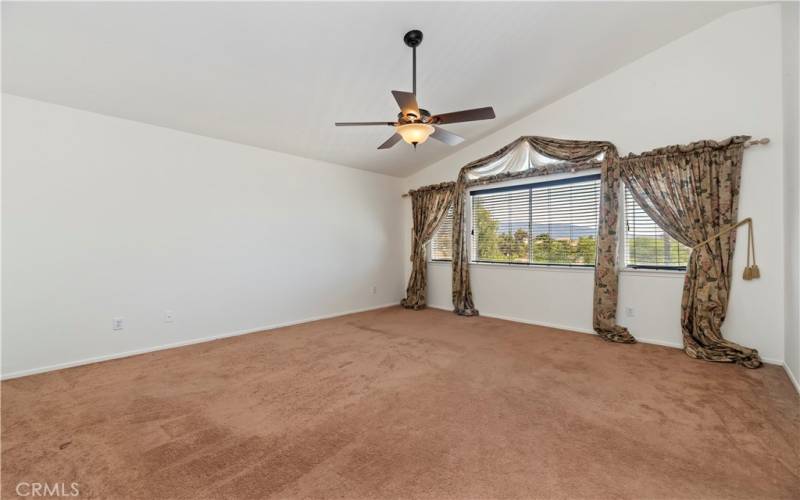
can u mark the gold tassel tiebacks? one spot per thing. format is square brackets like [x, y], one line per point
[751, 270]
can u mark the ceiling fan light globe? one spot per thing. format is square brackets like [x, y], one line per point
[415, 133]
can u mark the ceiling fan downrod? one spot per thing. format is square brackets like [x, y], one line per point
[413, 39]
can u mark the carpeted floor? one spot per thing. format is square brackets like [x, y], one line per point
[394, 403]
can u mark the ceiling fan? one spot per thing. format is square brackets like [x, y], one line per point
[414, 124]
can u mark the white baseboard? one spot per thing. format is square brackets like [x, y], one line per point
[135, 352]
[539, 323]
[664, 343]
[792, 377]
[125, 354]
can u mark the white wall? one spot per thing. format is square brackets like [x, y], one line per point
[105, 218]
[710, 84]
[791, 183]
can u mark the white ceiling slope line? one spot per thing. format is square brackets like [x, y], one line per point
[278, 75]
[180, 131]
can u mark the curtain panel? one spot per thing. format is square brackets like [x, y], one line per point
[692, 192]
[535, 156]
[428, 208]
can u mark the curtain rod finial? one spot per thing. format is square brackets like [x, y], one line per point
[764, 140]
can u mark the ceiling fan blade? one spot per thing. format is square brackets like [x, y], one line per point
[446, 137]
[407, 102]
[468, 115]
[391, 141]
[361, 124]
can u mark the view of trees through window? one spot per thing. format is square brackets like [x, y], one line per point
[544, 223]
[555, 222]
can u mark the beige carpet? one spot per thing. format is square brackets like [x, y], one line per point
[395, 403]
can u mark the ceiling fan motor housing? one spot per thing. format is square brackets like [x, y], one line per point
[411, 117]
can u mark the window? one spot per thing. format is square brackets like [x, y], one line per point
[442, 241]
[647, 246]
[549, 223]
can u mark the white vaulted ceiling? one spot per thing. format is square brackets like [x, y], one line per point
[277, 75]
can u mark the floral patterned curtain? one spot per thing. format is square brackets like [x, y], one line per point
[534, 156]
[692, 192]
[428, 206]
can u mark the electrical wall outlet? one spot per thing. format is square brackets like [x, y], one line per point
[169, 316]
[117, 323]
[630, 312]
[374, 289]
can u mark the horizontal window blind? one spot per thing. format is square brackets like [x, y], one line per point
[647, 246]
[550, 223]
[442, 241]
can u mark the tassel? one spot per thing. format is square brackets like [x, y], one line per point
[751, 271]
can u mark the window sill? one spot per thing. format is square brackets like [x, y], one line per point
[658, 273]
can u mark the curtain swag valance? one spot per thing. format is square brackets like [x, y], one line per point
[690, 190]
[576, 167]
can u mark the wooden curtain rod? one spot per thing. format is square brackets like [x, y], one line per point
[763, 140]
